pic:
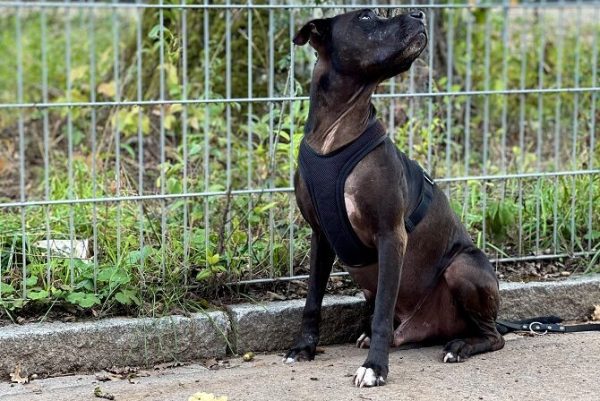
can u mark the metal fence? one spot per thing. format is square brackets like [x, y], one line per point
[155, 142]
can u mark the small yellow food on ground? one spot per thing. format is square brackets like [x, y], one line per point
[206, 397]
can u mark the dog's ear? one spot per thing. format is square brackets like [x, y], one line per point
[314, 31]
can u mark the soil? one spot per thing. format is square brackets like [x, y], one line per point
[546, 270]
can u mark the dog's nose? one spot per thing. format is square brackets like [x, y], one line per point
[418, 15]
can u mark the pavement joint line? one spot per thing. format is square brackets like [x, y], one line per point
[56, 347]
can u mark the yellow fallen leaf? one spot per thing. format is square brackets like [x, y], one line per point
[206, 397]
[596, 314]
[15, 377]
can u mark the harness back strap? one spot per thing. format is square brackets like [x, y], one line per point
[421, 209]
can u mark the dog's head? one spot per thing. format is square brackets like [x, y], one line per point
[363, 44]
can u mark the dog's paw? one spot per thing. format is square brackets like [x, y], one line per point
[366, 377]
[304, 350]
[456, 351]
[364, 341]
[297, 355]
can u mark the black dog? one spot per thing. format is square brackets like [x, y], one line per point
[378, 211]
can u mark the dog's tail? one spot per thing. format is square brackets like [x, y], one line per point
[503, 329]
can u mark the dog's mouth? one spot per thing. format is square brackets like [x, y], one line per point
[419, 41]
[416, 44]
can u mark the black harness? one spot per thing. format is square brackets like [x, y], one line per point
[325, 176]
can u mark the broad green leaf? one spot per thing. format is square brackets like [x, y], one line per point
[6, 288]
[35, 295]
[204, 274]
[31, 281]
[213, 259]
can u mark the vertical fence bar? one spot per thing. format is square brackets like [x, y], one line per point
[184, 138]
[93, 134]
[449, 74]
[468, 79]
[591, 162]
[70, 141]
[291, 148]
[227, 211]
[557, 128]
[250, 136]
[206, 130]
[411, 107]
[21, 128]
[140, 132]
[271, 85]
[432, 46]
[391, 111]
[540, 130]
[116, 131]
[575, 123]
[163, 211]
[486, 124]
[46, 129]
[504, 122]
[522, 149]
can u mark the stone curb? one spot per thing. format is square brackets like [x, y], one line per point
[88, 346]
[571, 299]
[273, 326]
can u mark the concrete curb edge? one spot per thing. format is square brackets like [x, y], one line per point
[44, 348]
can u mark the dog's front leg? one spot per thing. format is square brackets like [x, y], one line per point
[390, 249]
[321, 261]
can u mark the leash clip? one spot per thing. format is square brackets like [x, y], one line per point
[536, 326]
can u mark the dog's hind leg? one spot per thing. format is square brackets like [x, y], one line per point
[474, 287]
[364, 340]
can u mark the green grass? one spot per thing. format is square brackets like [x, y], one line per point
[157, 256]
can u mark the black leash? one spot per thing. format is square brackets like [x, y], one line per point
[543, 328]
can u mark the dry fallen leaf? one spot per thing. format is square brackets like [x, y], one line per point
[206, 397]
[16, 377]
[596, 313]
[101, 394]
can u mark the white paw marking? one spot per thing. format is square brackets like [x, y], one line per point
[288, 361]
[365, 377]
[448, 356]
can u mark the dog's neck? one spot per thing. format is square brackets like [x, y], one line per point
[340, 109]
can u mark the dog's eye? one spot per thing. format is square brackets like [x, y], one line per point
[364, 17]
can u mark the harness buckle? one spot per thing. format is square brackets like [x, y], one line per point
[428, 178]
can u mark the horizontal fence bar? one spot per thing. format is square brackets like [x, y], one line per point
[137, 198]
[96, 5]
[291, 98]
[528, 258]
